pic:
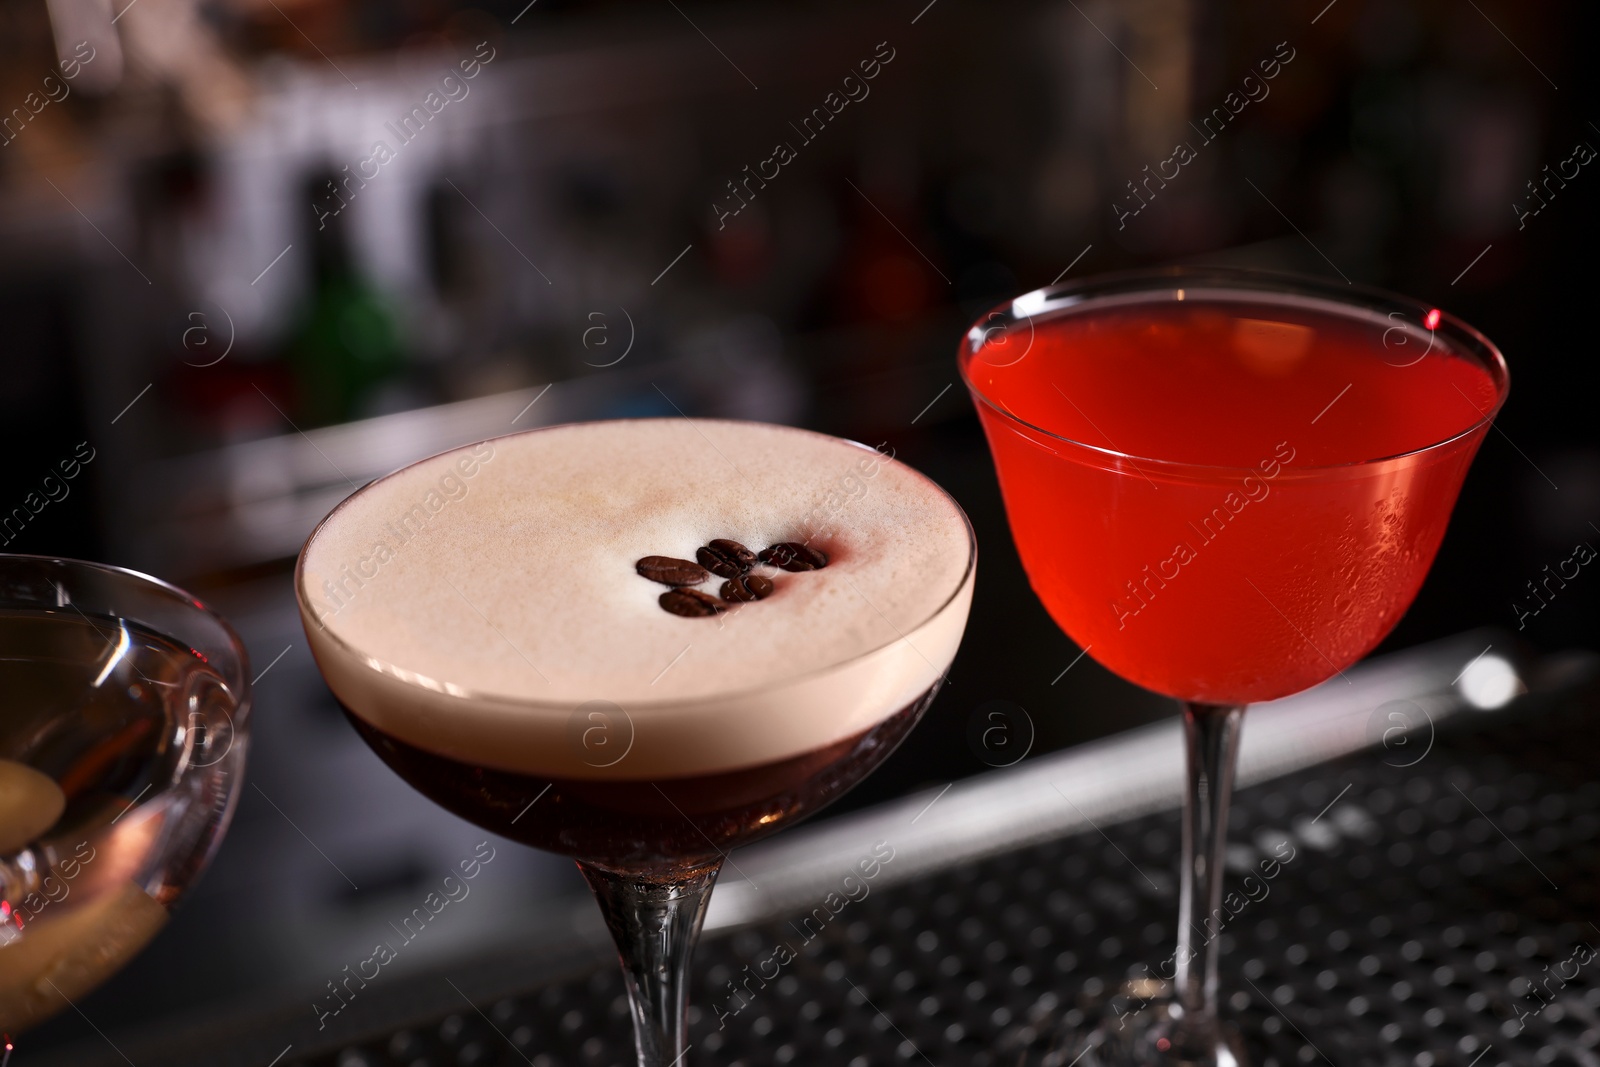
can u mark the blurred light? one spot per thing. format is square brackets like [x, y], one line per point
[1489, 682]
[86, 34]
[1432, 321]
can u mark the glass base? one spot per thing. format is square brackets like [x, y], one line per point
[1142, 1026]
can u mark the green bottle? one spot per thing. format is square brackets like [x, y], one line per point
[346, 342]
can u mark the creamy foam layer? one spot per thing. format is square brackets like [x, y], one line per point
[472, 604]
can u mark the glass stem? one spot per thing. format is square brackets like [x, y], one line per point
[1211, 748]
[655, 925]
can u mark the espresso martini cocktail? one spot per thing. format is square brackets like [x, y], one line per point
[640, 643]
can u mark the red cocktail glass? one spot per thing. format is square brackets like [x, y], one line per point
[1226, 486]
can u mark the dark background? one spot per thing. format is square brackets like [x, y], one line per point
[140, 218]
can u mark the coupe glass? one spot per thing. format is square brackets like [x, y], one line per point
[1304, 570]
[650, 842]
[122, 744]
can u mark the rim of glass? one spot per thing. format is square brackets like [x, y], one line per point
[735, 694]
[193, 603]
[1122, 288]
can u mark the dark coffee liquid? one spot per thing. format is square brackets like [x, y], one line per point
[646, 826]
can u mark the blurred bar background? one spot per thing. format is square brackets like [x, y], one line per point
[254, 254]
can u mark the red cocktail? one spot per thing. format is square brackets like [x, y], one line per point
[1227, 487]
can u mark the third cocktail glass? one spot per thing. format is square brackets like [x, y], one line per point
[1227, 487]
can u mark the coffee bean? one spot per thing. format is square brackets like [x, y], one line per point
[747, 587]
[725, 558]
[690, 603]
[670, 571]
[794, 556]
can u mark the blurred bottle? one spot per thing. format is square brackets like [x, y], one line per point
[346, 342]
